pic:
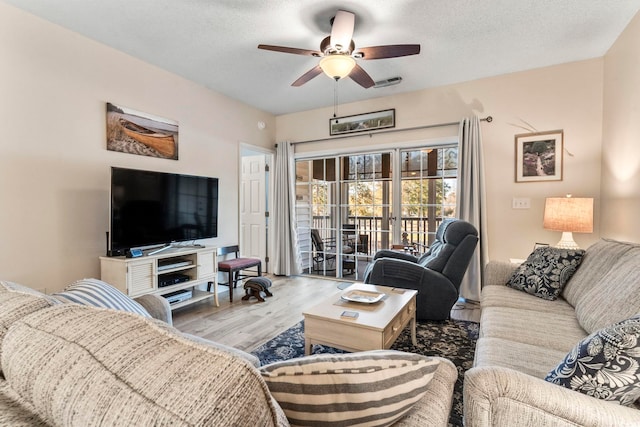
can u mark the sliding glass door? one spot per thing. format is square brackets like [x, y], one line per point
[428, 182]
[350, 206]
[365, 207]
[317, 215]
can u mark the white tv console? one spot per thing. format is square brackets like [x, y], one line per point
[143, 275]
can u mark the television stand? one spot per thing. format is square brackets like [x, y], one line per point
[174, 268]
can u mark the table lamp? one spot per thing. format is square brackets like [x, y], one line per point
[569, 215]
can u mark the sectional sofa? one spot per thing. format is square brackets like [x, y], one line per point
[524, 338]
[63, 363]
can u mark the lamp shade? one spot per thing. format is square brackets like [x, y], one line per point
[573, 214]
[337, 66]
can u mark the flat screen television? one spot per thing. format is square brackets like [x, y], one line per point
[154, 208]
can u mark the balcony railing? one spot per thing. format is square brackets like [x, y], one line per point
[374, 233]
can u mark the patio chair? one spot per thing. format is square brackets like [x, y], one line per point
[324, 251]
[351, 238]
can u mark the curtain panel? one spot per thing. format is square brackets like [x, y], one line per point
[471, 202]
[286, 259]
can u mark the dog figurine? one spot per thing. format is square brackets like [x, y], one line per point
[255, 287]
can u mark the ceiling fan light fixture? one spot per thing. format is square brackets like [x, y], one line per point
[338, 54]
[337, 66]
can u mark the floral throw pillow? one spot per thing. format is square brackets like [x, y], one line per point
[546, 271]
[605, 365]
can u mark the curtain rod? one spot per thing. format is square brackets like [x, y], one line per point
[487, 119]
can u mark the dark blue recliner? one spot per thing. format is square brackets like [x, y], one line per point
[436, 275]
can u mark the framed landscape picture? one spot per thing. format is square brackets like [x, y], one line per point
[539, 156]
[135, 132]
[363, 122]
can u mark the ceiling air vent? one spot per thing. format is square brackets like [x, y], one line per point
[388, 82]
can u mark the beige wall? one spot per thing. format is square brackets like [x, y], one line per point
[54, 166]
[567, 97]
[621, 137]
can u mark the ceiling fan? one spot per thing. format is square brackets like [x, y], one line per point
[338, 53]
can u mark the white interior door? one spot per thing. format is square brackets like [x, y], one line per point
[253, 227]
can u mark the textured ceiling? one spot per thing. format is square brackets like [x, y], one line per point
[214, 42]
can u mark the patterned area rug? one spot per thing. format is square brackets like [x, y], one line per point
[453, 339]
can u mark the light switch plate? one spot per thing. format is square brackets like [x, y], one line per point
[521, 203]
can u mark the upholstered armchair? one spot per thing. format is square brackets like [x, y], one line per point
[436, 275]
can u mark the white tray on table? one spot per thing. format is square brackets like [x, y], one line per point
[365, 297]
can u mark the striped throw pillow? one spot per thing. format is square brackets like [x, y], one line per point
[100, 294]
[373, 388]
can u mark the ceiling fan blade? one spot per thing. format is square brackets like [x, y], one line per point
[360, 76]
[307, 76]
[389, 51]
[342, 29]
[293, 50]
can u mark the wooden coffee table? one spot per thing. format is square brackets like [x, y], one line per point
[377, 326]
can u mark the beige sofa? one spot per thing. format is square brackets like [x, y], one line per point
[523, 337]
[74, 365]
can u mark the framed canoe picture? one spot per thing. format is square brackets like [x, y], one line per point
[134, 132]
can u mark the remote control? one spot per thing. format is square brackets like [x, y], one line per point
[349, 314]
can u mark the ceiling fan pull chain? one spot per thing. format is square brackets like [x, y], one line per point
[335, 98]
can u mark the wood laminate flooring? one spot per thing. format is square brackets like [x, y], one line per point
[247, 324]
